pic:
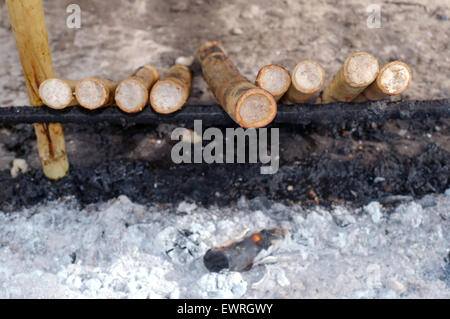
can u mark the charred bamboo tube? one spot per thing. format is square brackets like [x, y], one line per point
[360, 69]
[171, 93]
[93, 93]
[393, 79]
[240, 255]
[132, 93]
[308, 78]
[246, 104]
[58, 93]
[28, 23]
[274, 79]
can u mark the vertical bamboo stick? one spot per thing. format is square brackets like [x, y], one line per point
[28, 23]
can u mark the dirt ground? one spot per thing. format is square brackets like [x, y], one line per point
[117, 36]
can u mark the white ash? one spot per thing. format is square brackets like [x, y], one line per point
[19, 165]
[374, 210]
[185, 60]
[223, 285]
[120, 249]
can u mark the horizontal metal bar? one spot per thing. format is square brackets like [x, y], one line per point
[214, 114]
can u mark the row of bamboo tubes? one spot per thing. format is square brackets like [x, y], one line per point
[167, 95]
[249, 104]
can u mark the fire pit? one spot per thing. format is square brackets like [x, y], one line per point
[348, 195]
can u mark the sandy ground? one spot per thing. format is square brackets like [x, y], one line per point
[117, 36]
[123, 250]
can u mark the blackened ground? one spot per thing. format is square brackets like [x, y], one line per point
[321, 162]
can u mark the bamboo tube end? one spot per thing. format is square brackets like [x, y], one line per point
[56, 170]
[187, 61]
[308, 77]
[255, 108]
[360, 69]
[274, 79]
[56, 93]
[209, 48]
[167, 96]
[91, 93]
[394, 78]
[52, 150]
[131, 95]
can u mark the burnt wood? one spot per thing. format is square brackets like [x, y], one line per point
[214, 115]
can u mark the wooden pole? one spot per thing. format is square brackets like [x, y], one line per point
[28, 23]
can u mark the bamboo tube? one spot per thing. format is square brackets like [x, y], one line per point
[360, 69]
[393, 79]
[28, 23]
[58, 93]
[308, 78]
[274, 79]
[240, 255]
[359, 99]
[93, 93]
[132, 93]
[171, 93]
[247, 105]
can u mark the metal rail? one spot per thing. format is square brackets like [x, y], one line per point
[214, 115]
